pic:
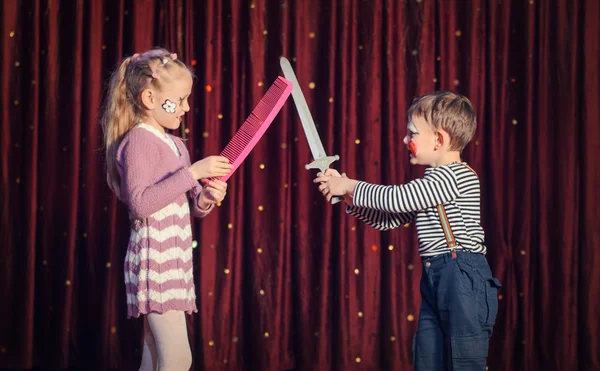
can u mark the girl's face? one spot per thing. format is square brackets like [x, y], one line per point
[171, 103]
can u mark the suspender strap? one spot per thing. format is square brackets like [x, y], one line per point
[450, 240]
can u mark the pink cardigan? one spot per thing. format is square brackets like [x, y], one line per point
[152, 176]
[160, 193]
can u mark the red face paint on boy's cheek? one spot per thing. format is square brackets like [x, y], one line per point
[413, 147]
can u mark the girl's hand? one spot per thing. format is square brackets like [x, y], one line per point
[212, 193]
[211, 167]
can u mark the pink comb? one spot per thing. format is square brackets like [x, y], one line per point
[256, 124]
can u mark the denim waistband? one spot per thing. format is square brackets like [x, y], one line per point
[438, 261]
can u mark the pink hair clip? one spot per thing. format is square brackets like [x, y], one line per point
[173, 56]
[135, 57]
[154, 75]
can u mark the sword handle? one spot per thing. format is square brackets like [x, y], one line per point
[336, 199]
[323, 164]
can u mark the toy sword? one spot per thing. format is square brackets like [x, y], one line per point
[321, 160]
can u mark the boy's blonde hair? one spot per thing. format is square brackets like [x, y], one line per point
[123, 107]
[449, 111]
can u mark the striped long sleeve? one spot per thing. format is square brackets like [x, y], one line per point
[436, 189]
[455, 186]
[379, 219]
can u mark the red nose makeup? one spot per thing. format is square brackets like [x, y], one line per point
[413, 147]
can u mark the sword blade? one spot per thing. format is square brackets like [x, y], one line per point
[310, 130]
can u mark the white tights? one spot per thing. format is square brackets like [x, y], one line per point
[166, 344]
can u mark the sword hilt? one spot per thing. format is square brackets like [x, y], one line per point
[323, 164]
[336, 199]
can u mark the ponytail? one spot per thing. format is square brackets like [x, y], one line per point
[118, 117]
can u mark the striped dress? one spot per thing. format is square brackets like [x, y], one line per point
[456, 186]
[161, 195]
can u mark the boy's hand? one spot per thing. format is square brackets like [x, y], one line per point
[334, 184]
[334, 173]
[210, 167]
[212, 193]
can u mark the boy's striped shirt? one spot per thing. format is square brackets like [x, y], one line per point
[455, 186]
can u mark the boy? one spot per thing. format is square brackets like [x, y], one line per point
[459, 294]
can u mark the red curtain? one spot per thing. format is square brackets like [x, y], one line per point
[285, 281]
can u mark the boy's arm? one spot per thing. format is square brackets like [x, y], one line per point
[380, 220]
[419, 194]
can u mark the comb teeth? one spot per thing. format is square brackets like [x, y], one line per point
[256, 124]
[266, 104]
[241, 138]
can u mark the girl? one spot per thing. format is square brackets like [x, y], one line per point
[150, 171]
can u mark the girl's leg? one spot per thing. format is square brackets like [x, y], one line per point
[171, 340]
[149, 354]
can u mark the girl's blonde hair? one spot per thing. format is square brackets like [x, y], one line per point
[123, 107]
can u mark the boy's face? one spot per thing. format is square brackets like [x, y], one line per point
[421, 141]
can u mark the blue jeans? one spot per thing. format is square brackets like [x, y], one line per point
[458, 311]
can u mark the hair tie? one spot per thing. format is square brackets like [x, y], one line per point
[135, 57]
[174, 56]
[164, 61]
[154, 75]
